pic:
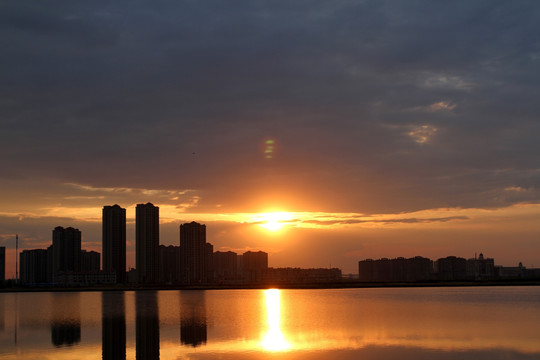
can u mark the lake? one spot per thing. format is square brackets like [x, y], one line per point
[375, 323]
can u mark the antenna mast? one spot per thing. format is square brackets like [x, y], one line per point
[16, 258]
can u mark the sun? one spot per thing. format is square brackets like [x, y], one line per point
[272, 225]
[273, 221]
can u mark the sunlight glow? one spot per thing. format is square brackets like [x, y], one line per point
[273, 221]
[274, 339]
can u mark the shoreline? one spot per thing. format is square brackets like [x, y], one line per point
[261, 286]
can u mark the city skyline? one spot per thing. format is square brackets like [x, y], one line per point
[269, 225]
[321, 132]
[194, 262]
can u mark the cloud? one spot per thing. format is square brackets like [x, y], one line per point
[442, 81]
[516, 189]
[122, 190]
[385, 221]
[173, 102]
[440, 106]
[422, 134]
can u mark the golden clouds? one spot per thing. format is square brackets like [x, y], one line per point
[422, 134]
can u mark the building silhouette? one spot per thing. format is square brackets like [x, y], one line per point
[36, 268]
[90, 261]
[512, 272]
[195, 254]
[451, 268]
[146, 325]
[114, 241]
[66, 251]
[113, 325]
[302, 276]
[209, 254]
[481, 268]
[50, 264]
[253, 265]
[169, 264]
[147, 243]
[2, 263]
[33, 266]
[225, 266]
[400, 269]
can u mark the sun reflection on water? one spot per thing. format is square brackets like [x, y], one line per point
[274, 339]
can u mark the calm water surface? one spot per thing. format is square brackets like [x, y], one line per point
[416, 323]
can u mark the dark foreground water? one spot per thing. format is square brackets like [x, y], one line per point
[411, 323]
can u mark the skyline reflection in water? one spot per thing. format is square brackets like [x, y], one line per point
[113, 325]
[193, 327]
[66, 319]
[421, 323]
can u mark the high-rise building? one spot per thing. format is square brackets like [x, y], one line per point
[225, 266]
[169, 264]
[451, 268]
[114, 241]
[50, 264]
[89, 261]
[147, 243]
[2, 263]
[66, 250]
[253, 265]
[194, 253]
[33, 266]
[209, 254]
[255, 260]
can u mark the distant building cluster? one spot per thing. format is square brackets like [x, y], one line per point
[450, 268]
[193, 262]
[62, 262]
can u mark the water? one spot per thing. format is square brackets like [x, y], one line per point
[405, 323]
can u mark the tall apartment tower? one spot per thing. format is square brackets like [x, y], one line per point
[114, 241]
[193, 252]
[66, 247]
[33, 266]
[147, 243]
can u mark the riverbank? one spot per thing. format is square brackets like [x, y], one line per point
[334, 285]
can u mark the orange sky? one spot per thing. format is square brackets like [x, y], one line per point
[292, 238]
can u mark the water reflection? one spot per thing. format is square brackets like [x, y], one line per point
[66, 319]
[2, 311]
[274, 339]
[113, 326]
[193, 329]
[146, 325]
[419, 324]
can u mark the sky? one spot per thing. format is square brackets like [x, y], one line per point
[372, 128]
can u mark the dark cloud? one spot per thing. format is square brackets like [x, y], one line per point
[180, 95]
[385, 221]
